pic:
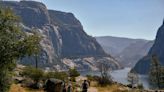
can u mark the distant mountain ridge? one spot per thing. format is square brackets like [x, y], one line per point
[126, 50]
[64, 44]
[143, 65]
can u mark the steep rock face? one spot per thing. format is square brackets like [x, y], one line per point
[143, 65]
[35, 15]
[63, 37]
[80, 44]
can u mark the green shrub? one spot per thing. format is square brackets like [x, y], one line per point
[73, 79]
[140, 86]
[92, 78]
[57, 75]
[73, 72]
[104, 81]
[35, 74]
[129, 85]
[5, 80]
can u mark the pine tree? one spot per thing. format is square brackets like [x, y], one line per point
[155, 73]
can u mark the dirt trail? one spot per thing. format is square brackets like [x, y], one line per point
[92, 89]
[80, 80]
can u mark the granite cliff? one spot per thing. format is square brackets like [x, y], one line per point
[64, 44]
[143, 65]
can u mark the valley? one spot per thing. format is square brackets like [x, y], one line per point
[126, 50]
[43, 49]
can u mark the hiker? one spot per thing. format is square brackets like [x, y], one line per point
[78, 88]
[64, 87]
[69, 88]
[85, 86]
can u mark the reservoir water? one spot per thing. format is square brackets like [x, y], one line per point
[120, 76]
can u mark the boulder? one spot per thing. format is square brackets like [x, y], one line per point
[53, 85]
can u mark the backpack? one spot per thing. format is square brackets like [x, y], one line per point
[85, 85]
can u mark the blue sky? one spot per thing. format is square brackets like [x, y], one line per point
[123, 18]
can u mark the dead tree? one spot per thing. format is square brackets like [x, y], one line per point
[105, 77]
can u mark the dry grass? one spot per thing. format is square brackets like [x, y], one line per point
[18, 88]
[110, 88]
[32, 90]
[116, 88]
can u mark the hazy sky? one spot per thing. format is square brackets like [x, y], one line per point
[123, 18]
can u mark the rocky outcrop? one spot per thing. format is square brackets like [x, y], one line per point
[90, 63]
[143, 65]
[62, 34]
[53, 85]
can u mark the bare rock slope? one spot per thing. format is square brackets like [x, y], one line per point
[65, 44]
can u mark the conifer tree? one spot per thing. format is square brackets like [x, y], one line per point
[155, 73]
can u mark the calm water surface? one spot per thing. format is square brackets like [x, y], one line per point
[120, 76]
